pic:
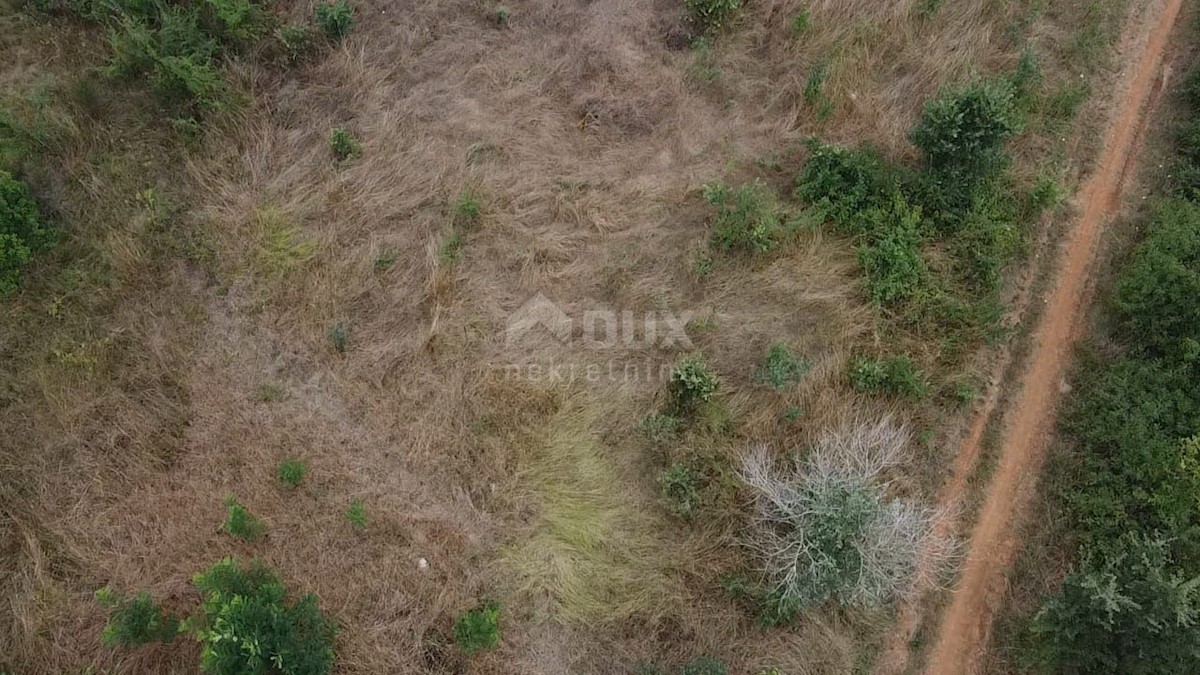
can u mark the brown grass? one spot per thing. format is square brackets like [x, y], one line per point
[589, 138]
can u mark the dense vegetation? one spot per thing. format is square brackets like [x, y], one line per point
[1131, 488]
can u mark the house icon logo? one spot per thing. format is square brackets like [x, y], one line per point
[537, 311]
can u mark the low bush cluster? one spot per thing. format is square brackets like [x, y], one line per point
[692, 383]
[960, 207]
[245, 624]
[890, 375]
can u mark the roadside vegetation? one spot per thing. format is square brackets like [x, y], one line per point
[1124, 488]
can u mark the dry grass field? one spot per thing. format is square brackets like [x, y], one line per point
[219, 304]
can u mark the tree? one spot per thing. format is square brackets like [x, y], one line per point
[1125, 611]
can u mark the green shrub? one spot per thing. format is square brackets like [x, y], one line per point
[292, 471]
[1123, 612]
[681, 489]
[240, 523]
[659, 428]
[801, 22]
[895, 375]
[747, 219]
[962, 132]
[336, 19]
[468, 210]
[299, 41]
[343, 144]
[356, 513]
[710, 16]
[692, 383]
[781, 368]
[891, 255]
[246, 625]
[339, 337]
[842, 184]
[135, 621]
[1132, 476]
[478, 629]
[705, 665]
[22, 233]
[1159, 294]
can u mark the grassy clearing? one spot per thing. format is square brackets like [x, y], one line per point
[593, 551]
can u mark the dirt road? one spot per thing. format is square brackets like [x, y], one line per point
[962, 635]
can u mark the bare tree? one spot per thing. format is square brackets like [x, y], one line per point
[827, 528]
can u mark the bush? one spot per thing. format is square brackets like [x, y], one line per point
[782, 367]
[842, 184]
[240, 523]
[963, 131]
[747, 219]
[1159, 295]
[22, 233]
[135, 621]
[246, 625]
[339, 337]
[292, 471]
[710, 16]
[826, 529]
[336, 19]
[681, 489]
[298, 40]
[891, 256]
[692, 383]
[478, 629]
[895, 375]
[705, 665]
[468, 210]
[343, 144]
[1133, 476]
[1125, 612]
[356, 513]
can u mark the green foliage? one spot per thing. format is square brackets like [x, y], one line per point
[343, 144]
[1133, 477]
[177, 48]
[246, 625]
[710, 16]
[356, 513]
[451, 248]
[240, 523]
[659, 428]
[801, 22]
[681, 489]
[135, 621]
[692, 383]
[705, 665]
[22, 233]
[339, 337]
[891, 254]
[782, 367]
[501, 15]
[1125, 611]
[478, 629]
[1159, 295]
[814, 90]
[895, 375]
[292, 471]
[962, 132]
[299, 41]
[335, 19]
[747, 220]
[842, 184]
[468, 210]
